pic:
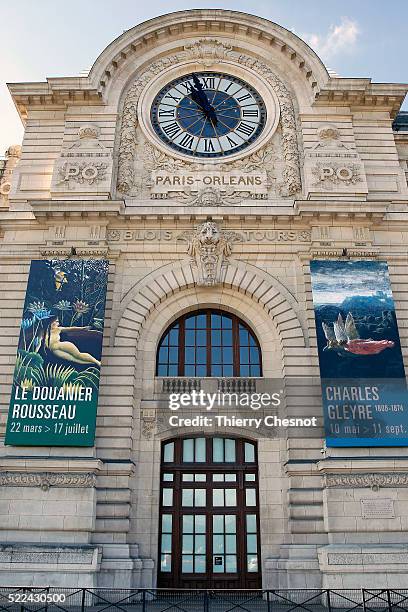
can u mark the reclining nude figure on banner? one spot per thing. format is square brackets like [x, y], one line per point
[65, 349]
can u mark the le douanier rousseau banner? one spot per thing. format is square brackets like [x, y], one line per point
[54, 397]
[362, 373]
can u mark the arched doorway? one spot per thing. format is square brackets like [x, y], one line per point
[209, 514]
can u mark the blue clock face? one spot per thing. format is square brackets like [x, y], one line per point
[208, 114]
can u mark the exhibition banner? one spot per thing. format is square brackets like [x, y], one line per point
[54, 396]
[362, 373]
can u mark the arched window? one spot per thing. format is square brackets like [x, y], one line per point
[209, 343]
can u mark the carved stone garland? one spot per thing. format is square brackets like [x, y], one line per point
[128, 140]
[291, 172]
[45, 480]
[362, 480]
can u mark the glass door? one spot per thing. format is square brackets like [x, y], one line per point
[209, 519]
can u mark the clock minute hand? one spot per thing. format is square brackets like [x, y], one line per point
[198, 94]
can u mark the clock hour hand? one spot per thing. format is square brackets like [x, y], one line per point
[200, 97]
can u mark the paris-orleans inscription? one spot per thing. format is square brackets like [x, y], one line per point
[165, 185]
[250, 235]
[224, 184]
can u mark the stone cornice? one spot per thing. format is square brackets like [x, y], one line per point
[341, 209]
[47, 209]
[49, 464]
[300, 211]
[362, 92]
[401, 137]
[349, 465]
[301, 468]
[10, 220]
[117, 468]
[200, 23]
[54, 92]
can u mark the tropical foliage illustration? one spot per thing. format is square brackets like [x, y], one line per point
[60, 341]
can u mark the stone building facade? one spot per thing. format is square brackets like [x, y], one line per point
[325, 178]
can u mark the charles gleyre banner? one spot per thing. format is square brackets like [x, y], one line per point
[362, 373]
[55, 388]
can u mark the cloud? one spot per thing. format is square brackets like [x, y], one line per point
[340, 38]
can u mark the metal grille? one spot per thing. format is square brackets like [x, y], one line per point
[49, 599]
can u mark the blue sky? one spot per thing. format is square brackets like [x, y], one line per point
[44, 38]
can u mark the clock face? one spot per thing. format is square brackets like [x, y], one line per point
[208, 114]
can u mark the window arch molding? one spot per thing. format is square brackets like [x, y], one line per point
[209, 342]
[172, 278]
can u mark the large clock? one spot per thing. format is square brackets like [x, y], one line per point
[208, 114]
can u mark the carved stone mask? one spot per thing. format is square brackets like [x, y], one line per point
[209, 198]
[209, 233]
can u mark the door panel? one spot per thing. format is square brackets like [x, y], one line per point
[209, 519]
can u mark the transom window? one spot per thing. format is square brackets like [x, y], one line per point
[209, 343]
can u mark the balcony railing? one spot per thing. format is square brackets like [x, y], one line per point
[237, 385]
[184, 384]
[180, 385]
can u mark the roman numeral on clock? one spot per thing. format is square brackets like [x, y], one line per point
[175, 98]
[179, 114]
[167, 113]
[187, 141]
[231, 142]
[244, 97]
[250, 113]
[245, 128]
[172, 129]
[208, 146]
[186, 85]
[209, 82]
